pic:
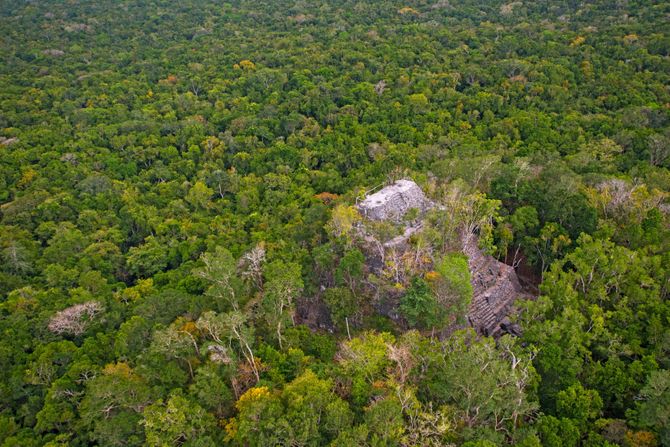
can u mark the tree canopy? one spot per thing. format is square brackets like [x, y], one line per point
[181, 255]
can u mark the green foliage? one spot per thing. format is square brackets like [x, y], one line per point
[316, 345]
[178, 421]
[283, 286]
[147, 259]
[484, 385]
[365, 356]
[211, 390]
[220, 272]
[654, 410]
[342, 305]
[193, 167]
[384, 418]
[579, 405]
[111, 408]
[350, 269]
[420, 307]
[306, 412]
[199, 194]
[557, 432]
[452, 287]
[593, 297]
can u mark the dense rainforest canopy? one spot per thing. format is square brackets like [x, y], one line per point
[181, 261]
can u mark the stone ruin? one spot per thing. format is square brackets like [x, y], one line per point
[394, 201]
[495, 288]
[495, 284]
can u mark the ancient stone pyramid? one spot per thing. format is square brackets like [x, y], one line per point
[393, 201]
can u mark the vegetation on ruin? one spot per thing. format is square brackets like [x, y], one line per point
[182, 262]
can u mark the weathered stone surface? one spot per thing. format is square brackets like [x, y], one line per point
[495, 284]
[400, 240]
[495, 289]
[392, 202]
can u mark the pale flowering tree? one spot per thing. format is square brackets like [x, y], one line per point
[619, 199]
[252, 265]
[380, 87]
[75, 319]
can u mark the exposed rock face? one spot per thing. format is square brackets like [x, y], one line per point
[392, 202]
[495, 289]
